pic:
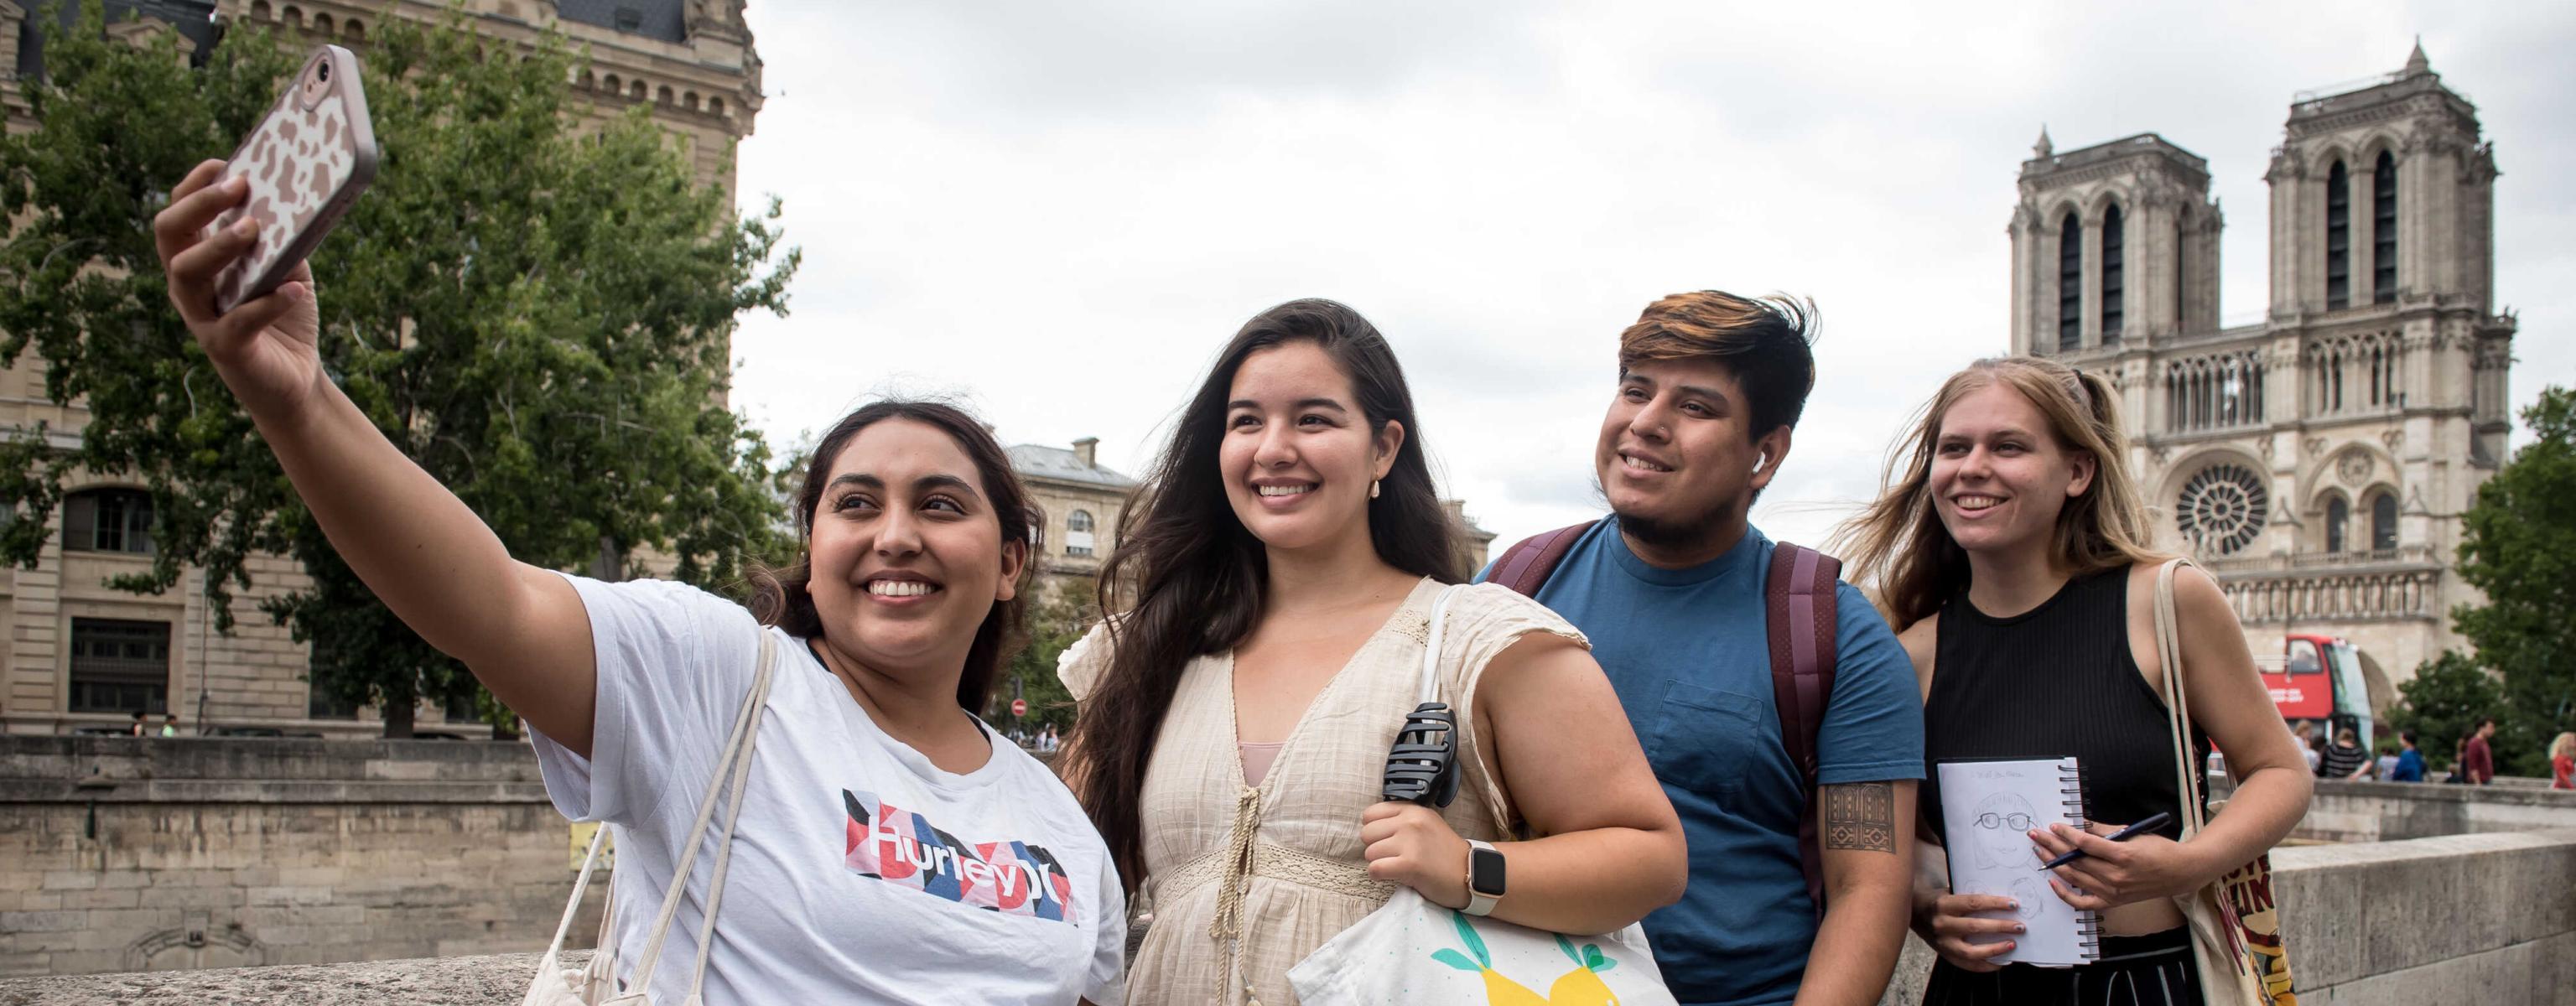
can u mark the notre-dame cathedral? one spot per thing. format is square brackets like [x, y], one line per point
[2316, 461]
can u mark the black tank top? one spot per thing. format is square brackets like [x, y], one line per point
[2053, 681]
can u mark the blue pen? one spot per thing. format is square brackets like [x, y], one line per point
[2153, 822]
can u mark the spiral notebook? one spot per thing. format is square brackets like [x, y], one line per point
[1989, 808]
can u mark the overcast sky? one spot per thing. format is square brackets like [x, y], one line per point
[1060, 211]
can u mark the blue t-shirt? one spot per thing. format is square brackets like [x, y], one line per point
[2410, 767]
[1688, 652]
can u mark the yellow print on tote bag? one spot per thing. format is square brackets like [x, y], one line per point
[1579, 987]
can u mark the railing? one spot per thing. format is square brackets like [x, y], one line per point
[2359, 595]
[2409, 554]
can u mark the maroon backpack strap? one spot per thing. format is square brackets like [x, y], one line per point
[1526, 565]
[1798, 604]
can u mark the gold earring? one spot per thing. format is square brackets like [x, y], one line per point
[1373, 488]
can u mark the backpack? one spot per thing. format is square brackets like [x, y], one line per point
[1798, 603]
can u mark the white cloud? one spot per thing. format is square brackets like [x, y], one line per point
[1065, 209]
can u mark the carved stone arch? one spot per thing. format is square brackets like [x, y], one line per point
[355, 29]
[322, 23]
[260, 10]
[2109, 196]
[2366, 153]
[690, 101]
[293, 16]
[613, 84]
[2058, 211]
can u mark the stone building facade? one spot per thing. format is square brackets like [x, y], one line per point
[75, 653]
[1082, 501]
[2317, 460]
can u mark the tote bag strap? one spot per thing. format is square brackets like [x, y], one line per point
[1431, 687]
[580, 885]
[2178, 701]
[735, 762]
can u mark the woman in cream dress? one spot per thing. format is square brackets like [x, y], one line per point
[1273, 583]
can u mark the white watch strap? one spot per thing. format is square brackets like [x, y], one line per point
[1478, 904]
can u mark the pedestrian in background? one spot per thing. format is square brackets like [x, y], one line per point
[2477, 759]
[2562, 762]
[2410, 762]
[2344, 759]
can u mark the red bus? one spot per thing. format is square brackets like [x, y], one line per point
[2320, 679]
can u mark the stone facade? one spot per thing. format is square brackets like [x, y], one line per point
[1082, 503]
[2318, 460]
[691, 61]
[149, 855]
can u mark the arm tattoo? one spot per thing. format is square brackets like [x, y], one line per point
[1860, 815]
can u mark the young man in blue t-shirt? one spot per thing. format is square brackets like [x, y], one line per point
[1670, 589]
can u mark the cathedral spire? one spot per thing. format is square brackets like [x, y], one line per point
[2043, 150]
[2415, 62]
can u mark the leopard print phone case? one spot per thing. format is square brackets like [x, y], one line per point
[307, 161]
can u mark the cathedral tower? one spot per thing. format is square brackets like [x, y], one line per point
[2317, 460]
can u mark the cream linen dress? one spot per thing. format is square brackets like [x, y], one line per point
[1301, 875]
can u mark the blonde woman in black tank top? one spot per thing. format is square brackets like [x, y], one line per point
[2011, 551]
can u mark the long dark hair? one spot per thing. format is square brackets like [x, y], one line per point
[1189, 578]
[779, 597]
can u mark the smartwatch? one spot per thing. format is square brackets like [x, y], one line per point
[1484, 877]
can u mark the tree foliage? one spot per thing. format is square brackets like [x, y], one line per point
[2444, 702]
[535, 310]
[1056, 621]
[2518, 547]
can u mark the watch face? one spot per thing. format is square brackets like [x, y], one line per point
[1485, 872]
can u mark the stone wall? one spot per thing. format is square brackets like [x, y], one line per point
[2462, 919]
[2394, 811]
[2470, 919]
[119, 854]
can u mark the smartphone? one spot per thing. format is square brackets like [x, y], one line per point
[307, 161]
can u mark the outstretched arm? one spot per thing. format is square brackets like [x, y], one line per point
[521, 629]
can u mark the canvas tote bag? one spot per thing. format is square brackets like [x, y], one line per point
[2235, 926]
[596, 983]
[1411, 951]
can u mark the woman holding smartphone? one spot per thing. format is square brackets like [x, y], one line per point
[1272, 587]
[866, 763]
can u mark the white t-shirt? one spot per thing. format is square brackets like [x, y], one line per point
[861, 872]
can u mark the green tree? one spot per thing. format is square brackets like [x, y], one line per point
[1057, 619]
[537, 313]
[2518, 547]
[2448, 696]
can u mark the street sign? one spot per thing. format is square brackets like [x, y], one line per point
[1019, 707]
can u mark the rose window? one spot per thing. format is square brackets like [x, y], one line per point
[2221, 509]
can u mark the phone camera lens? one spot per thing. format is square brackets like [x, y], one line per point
[323, 70]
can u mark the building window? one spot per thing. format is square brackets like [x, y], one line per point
[2113, 274]
[119, 666]
[108, 520]
[2338, 237]
[2070, 285]
[1077, 533]
[2338, 516]
[2222, 508]
[2383, 230]
[630, 19]
[2383, 523]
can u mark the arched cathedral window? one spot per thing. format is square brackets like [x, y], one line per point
[2338, 518]
[2070, 285]
[2338, 237]
[2383, 230]
[2113, 238]
[2383, 523]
